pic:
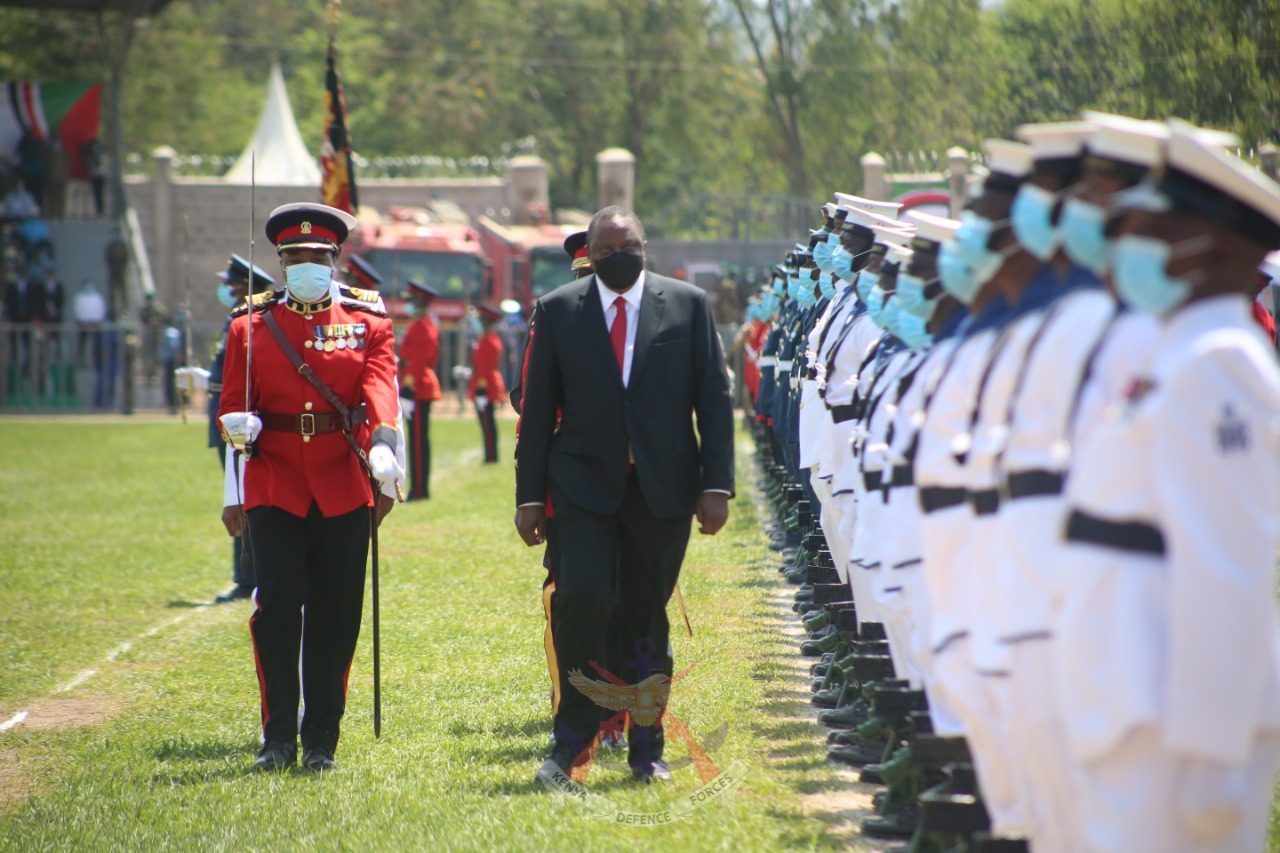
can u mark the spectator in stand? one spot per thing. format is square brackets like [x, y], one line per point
[92, 159]
[90, 311]
[59, 176]
[31, 164]
[19, 203]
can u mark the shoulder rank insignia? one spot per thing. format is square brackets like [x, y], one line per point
[371, 296]
[260, 301]
[1233, 433]
[360, 299]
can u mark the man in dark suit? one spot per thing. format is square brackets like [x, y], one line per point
[630, 359]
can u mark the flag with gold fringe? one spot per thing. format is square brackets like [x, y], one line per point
[338, 186]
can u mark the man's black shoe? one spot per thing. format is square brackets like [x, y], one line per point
[827, 698]
[319, 758]
[847, 717]
[897, 824]
[651, 771]
[856, 755]
[234, 594]
[276, 756]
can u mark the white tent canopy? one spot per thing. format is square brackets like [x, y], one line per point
[280, 156]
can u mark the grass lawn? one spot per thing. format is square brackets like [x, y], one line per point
[142, 702]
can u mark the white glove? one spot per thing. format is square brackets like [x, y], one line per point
[407, 406]
[1210, 798]
[241, 428]
[482, 403]
[382, 460]
[192, 378]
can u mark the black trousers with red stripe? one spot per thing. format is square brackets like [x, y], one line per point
[419, 441]
[309, 600]
[488, 427]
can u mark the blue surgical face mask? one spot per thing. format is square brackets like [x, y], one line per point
[822, 255]
[1138, 269]
[867, 281]
[805, 296]
[793, 286]
[226, 297]
[827, 285]
[911, 295]
[955, 274]
[875, 306]
[842, 263]
[308, 282]
[972, 241]
[411, 310]
[768, 306]
[889, 315]
[1032, 219]
[912, 329]
[1084, 236]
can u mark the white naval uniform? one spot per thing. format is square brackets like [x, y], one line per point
[869, 534]
[1035, 448]
[903, 521]
[881, 578]
[846, 354]
[946, 540]
[1169, 654]
[815, 420]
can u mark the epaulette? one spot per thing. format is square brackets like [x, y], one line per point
[360, 299]
[261, 301]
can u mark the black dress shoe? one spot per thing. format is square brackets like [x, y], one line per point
[651, 771]
[276, 756]
[856, 755]
[236, 593]
[828, 698]
[319, 758]
[847, 717]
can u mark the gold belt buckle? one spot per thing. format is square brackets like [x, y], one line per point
[307, 423]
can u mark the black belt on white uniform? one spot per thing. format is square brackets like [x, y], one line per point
[847, 412]
[1034, 484]
[934, 498]
[871, 480]
[308, 424]
[903, 475]
[985, 502]
[1126, 536]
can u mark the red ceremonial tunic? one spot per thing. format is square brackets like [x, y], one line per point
[486, 356]
[290, 470]
[419, 354]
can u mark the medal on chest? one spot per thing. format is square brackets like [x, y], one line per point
[338, 336]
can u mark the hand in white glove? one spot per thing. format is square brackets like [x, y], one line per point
[1210, 798]
[240, 428]
[191, 378]
[382, 460]
[407, 406]
[482, 403]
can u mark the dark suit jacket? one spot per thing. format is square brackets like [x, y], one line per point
[677, 373]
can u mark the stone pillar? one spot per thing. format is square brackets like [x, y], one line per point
[617, 176]
[875, 182]
[530, 197]
[958, 177]
[161, 247]
[1267, 154]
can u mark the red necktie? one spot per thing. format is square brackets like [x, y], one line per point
[618, 331]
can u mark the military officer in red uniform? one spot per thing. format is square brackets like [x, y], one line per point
[419, 354]
[487, 390]
[305, 499]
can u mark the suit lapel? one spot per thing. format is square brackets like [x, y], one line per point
[652, 302]
[591, 321]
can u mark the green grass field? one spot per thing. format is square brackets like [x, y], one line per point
[110, 542]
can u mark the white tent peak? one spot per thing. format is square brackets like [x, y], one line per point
[280, 156]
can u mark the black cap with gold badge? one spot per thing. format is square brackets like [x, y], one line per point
[307, 225]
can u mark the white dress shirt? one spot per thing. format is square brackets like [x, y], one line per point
[632, 297]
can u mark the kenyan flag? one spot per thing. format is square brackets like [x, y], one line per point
[69, 111]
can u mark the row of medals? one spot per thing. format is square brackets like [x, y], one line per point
[341, 336]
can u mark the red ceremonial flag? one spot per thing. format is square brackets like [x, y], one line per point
[338, 187]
